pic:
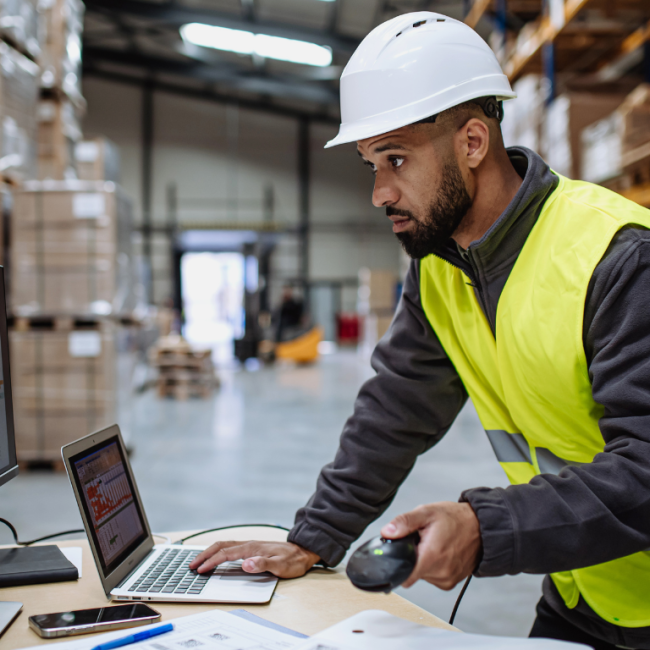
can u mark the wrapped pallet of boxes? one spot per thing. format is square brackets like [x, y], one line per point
[635, 147]
[564, 121]
[59, 132]
[20, 26]
[523, 116]
[70, 247]
[616, 149]
[377, 298]
[61, 57]
[69, 378]
[18, 101]
[97, 160]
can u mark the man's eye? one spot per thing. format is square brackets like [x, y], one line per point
[397, 162]
[371, 165]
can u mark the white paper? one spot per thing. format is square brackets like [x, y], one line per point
[213, 630]
[84, 344]
[74, 555]
[377, 630]
[88, 205]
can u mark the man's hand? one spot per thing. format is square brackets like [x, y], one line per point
[283, 559]
[450, 542]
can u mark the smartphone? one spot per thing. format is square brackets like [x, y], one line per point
[85, 621]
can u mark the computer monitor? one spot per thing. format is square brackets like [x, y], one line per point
[8, 462]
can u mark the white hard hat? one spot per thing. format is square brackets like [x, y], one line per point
[412, 67]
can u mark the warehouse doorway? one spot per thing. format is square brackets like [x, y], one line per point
[212, 290]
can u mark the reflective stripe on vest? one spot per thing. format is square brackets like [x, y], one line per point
[531, 385]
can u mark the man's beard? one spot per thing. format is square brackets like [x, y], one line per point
[443, 217]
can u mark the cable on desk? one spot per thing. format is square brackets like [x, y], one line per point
[460, 597]
[214, 530]
[14, 532]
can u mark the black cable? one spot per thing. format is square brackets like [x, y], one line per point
[460, 597]
[213, 530]
[14, 532]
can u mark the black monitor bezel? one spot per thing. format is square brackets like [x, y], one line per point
[107, 569]
[12, 467]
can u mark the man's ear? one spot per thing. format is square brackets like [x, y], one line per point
[476, 140]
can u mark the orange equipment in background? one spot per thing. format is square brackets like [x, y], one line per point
[303, 349]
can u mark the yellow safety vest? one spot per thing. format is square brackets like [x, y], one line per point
[530, 385]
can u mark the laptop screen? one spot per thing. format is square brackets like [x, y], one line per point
[110, 506]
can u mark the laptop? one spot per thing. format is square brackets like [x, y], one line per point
[130, 565]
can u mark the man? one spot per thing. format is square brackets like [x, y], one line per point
[289, 315]
[527, 291]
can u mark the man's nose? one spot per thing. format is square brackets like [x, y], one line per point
[384, 193]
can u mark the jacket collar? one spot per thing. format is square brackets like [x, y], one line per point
[502, 243]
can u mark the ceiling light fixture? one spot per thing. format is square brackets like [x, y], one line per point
[269, 47]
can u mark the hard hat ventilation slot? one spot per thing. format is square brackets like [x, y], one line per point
[419, 23]
[398, 34]
[440, 20]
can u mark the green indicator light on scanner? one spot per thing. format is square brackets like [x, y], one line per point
[378, 551]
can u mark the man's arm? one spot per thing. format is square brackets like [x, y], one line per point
[401, 412]
[405, 409]
[601, 511]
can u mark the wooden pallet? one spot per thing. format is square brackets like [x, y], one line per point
[44, 464]
[53, 323]
[183, 391]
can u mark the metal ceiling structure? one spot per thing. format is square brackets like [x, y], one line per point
[138, 42]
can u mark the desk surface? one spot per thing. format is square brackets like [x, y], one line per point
[308, 604]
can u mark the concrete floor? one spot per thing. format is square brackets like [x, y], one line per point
[252, 454]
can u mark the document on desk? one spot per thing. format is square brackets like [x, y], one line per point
[377, 630]
[214, 630]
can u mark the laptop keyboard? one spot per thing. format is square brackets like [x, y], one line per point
[171, 574]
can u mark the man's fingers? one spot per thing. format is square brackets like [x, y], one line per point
[407, 523]
[276, 565]
[209, 552]
[239, 552]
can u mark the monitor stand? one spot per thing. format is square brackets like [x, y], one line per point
[8, 613]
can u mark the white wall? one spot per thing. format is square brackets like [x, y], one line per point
[227, 156]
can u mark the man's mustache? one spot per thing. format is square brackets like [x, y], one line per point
[396, 212]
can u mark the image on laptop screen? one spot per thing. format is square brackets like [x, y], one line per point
[111, 509]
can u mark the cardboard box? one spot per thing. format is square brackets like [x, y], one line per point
[61, 58]
[18, 100]
[619, 142]
[523, 116]
[20, 25]
[71, 249]
[601, 149]
[566, 117]
[98, 160]
[59, 132]
[67, 381]
[377, 290]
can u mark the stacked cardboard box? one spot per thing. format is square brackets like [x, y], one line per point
[377, 299]
[61, 58]
[97, 160]
[616, 149]
[564, 121]
[523, 116]
[20, 26]
[71, 249]
[71, 378]
[59, 132]
[18, 101]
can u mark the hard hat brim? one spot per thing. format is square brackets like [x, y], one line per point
[380, 124]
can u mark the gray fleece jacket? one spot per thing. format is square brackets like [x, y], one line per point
[587, 515]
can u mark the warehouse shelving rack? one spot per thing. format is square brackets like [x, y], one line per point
[584, 42]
